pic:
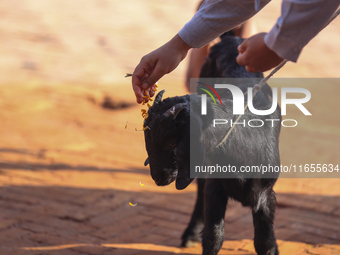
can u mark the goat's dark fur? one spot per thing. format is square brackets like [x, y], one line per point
[168, 147]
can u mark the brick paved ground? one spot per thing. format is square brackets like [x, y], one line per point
[69, 168]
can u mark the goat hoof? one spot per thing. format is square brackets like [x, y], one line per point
[189, 243]
[192, 236]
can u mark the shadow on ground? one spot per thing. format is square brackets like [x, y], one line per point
[54, 217]
[87, 209]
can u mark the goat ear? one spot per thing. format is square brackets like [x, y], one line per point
[183, 163]
[188, 148]
[146, 162]
[173, 111]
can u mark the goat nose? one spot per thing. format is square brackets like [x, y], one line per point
[146, 162]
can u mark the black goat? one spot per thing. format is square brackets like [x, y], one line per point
[169, 137]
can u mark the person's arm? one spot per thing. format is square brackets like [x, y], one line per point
[255, 55]
[157, 63]
[217, 17]
[213, 18]
[300, 21]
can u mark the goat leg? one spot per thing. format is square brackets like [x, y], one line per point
[192, 235]
[263, 217]
[215, 203]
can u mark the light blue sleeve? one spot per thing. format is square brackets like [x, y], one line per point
[300, 21]
[216, 17]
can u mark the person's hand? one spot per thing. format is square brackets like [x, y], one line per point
[156, 64]
[256, 56]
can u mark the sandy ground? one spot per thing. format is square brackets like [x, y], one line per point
[69, 167]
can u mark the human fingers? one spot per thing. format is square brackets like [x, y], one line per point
[241, 59]
[159, 71]
[152, 91]
[137, 89]
[140, 73]
[242, 53]
[251, 69]
[243, 46]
